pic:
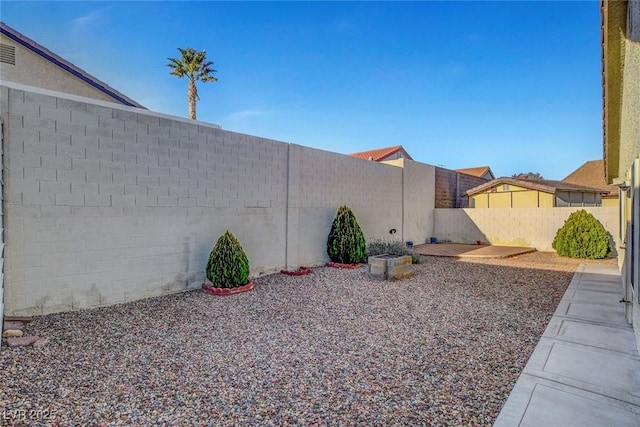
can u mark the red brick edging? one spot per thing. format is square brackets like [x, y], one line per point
[301, 271]
[340, 265]
[228, 291]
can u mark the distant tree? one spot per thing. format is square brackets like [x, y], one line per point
[193, 65]
[528, 175]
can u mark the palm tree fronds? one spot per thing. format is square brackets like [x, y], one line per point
[192, 64]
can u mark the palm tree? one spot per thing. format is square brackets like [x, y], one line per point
[194, 65]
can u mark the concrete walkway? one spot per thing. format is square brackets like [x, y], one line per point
[585, 371]
[461, 250]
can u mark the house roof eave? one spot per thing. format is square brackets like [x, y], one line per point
[45, 53]
[613, 20]
[546, 186]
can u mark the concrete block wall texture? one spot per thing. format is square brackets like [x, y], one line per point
[107, 203]
[419, 201]
[531, 227]
[320, 182]
[451, 187]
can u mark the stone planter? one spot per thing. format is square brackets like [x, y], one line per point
[228, 291]
[390, 267]
[301, 271]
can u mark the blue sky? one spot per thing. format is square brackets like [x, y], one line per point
[512, 85]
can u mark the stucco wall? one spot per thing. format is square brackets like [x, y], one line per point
[531, 227]
[630, 113]
[31, 69]
[107, 203]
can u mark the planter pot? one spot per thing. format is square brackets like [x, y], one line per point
[299, 272]
[339, 265]
[228, 291]
[390, 267]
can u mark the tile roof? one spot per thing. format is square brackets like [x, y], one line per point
[477, 171]
[591, 174]
[66, 65]
[545, 185]
[381, 153]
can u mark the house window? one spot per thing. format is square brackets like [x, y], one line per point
[589, 199]
[505, 187]
[7, 54]
[562, 199]
[575, 199]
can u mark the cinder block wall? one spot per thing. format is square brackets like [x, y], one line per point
[419, 201]
[532, 227]
[451, 187]
[105, 203]
[320, 182]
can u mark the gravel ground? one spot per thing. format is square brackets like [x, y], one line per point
[331, 348]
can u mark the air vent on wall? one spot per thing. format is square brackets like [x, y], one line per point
[7, 54]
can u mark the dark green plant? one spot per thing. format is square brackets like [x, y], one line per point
[346, 243]
[582, 236]
[228, 265]
[392, 247]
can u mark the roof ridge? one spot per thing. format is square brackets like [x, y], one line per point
[56, 59]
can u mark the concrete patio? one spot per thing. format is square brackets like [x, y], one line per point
[585, 371]
[461, 250]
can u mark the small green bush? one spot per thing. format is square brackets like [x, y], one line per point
[582, 236]
[228, 265]
[346, 243]
[392, 247]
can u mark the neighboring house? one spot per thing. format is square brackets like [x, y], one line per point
[591, 174]
[452, 186]
[520, 193]
[480, 171]
[382, 154]
[24, 61]
[620, 27]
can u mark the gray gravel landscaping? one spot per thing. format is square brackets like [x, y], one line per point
[331, 348]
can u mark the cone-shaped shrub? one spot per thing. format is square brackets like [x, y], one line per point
[582, 236]
[346, 242]
[228, 266]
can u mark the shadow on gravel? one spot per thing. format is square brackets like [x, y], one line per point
[444, 347]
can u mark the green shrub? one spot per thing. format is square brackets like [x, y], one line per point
[393, 247]
[228, 265]
[346, 242]
[582, 236]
